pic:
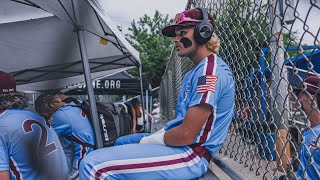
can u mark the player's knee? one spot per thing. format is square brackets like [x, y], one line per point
[85, 166]
[130, 139]
[121, 141]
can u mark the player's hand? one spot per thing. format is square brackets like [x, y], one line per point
[134, 131]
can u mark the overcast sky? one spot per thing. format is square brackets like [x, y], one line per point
[309, 24]
[122, 12]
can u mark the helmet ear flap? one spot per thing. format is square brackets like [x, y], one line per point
[204, 30]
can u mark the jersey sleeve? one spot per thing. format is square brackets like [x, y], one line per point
[206, 84]
[61, 123]
[4, 151]
[180, 96]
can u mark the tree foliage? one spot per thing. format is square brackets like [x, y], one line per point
[244, 29]
[145, 36]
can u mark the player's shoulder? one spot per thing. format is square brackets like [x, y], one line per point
[67, 109]
[211, 62]
[213, 66]
[68, 113]
[70, 107]
[19, 114]
[12, 120]
[311, 133]
[317, 128]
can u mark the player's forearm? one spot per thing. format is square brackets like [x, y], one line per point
[4, 175]
[178, 136]
[174, 137]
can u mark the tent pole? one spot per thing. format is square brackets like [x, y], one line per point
[141, 97]
[279, 85]
[147, 101]
[147, 108]
[87, 75]
[150, 110]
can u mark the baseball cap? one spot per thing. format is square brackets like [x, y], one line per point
[313, 84]
[7, 83]
[189, 17]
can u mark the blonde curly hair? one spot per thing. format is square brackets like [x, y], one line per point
[44, 104]
[214, 44]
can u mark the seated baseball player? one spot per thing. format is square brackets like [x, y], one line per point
[309, 166]
[29, 147]
[183, 148]
[71, 125]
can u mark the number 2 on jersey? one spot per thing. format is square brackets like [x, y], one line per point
[44, 148]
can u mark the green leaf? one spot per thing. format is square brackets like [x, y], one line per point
[145, 36]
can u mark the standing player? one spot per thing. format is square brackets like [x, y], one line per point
[183, 149]
[70, 123]
[29, 148]
[309, 168]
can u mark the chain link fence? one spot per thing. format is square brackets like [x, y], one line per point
[271, 46]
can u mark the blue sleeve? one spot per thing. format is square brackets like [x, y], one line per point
[205, 88]
[61, 123]
[4, 151]
[180, 96]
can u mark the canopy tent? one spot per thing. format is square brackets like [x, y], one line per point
[58, 41]
[302, 66]
[299, 68]
[64, 82]
[117, 84]
[46, 47]
[307, 61]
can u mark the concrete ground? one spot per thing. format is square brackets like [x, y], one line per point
[244, 171]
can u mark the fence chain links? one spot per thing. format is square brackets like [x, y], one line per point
[271, 46]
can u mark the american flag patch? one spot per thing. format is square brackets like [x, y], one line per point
[206, 84]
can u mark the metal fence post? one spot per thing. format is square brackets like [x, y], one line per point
[279, 86]
[146, 121]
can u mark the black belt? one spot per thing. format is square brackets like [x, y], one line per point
[201, 151]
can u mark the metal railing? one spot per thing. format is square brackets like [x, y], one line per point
[271, 46]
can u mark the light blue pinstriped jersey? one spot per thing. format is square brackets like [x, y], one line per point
[310, 154]
[221, 100]
[71, 121]
[131, 160]
[24, 136]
